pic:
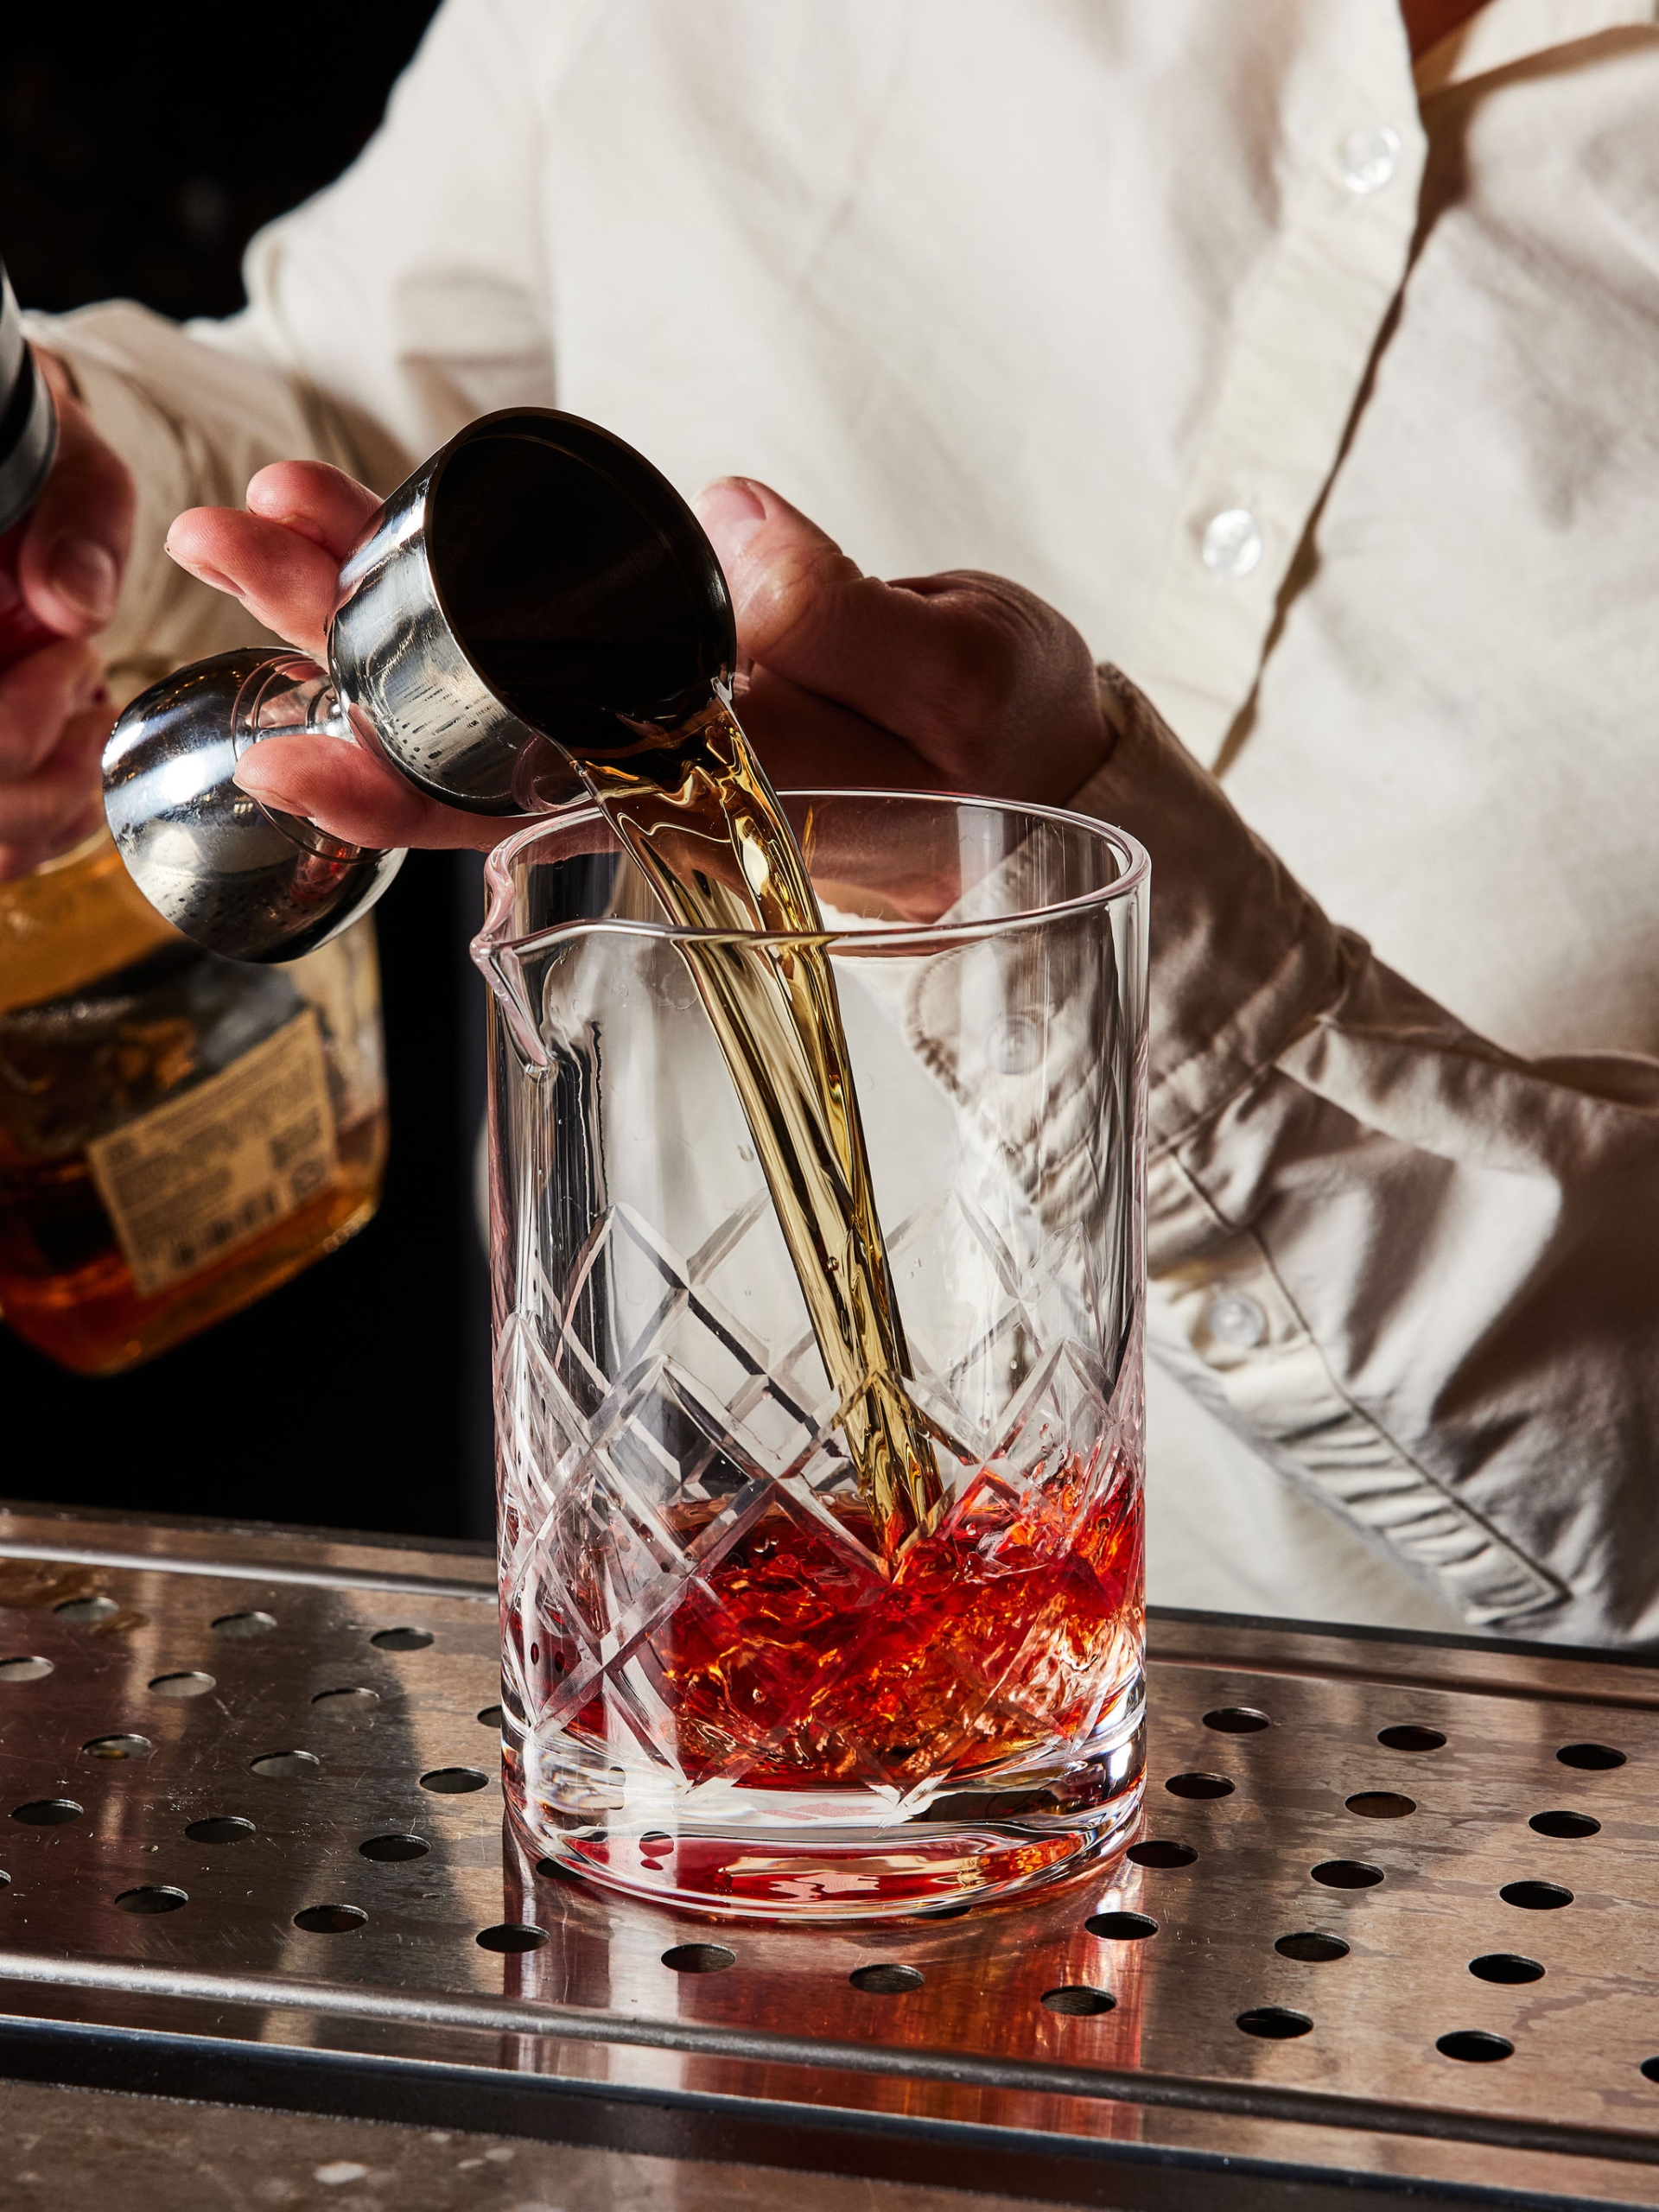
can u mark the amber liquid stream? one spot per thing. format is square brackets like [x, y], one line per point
[699, 816]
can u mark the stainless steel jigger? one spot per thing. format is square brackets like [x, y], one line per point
[536, 594]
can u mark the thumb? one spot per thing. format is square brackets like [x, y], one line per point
[782, 570]
[806, 612]
[910, 657]
[80, 532]
[988, 686]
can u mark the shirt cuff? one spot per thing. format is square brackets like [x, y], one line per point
[192, 424]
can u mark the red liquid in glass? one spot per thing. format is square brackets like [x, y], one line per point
[787, 1662]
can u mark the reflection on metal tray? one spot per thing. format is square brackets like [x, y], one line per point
[1390, 1926]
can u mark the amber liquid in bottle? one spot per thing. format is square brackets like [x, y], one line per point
[111, 1026]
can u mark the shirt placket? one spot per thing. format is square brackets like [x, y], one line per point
[1303, 331]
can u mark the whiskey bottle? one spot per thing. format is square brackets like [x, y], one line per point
[179, 1132]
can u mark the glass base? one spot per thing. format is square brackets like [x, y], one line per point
[776, 1855]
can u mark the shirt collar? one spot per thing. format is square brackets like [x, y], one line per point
[1508, 31]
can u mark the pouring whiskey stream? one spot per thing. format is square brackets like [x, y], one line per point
[694, 808]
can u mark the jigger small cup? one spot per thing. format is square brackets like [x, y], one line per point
[533, 589]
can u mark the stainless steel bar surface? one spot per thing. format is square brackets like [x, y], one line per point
[1390, 1930]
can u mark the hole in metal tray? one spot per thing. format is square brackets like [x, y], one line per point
[85, 1609]
[221, 1828]
[1564, 1824]
[1307, 1943]
[1380, 1805]
[47, 1812]
[885, 1981]
[1078, 2000]
[1408, 1737]
[1347, 1874]
[1159, 1852]
[1592, 1759]
[1475, 2045]
[118, 1747]
[1505, 1967]
[714, 1958]
[401, 1639]
[1198, 1785]
[242, 1628]
[1120, 1927]
[510, 1936]
[287, 1766]
[394, 1847]
[330, 1919]
[1274, 2022]
[1536, 1897]
[1237, 1719]
[190, 1682]
[153, 1897]
[31, 1669]
[454, 1781]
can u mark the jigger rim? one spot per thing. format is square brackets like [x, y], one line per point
[662, 508]
[1135, 862]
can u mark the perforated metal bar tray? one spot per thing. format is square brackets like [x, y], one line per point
[208, 1732]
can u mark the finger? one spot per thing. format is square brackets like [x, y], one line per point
[347, 792]
[806, 610]
[80, 532]
[992, 688]
[285, 581]
[320, 503]
[62, 801]
[38, 695]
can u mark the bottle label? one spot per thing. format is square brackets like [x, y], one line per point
[187, 1183]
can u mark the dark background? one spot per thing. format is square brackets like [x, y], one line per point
[136, 162]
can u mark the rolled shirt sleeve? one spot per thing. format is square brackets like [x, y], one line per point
[1417, 1273]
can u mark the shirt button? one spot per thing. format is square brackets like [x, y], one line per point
[1233, 1318]
[1369, 158]
[1232, 544]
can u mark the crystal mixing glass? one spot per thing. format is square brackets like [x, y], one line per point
[718, 1690]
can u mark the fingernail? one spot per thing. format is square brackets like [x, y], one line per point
[730, 511]
[84, 573]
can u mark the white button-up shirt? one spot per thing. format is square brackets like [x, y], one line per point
[1325, 399]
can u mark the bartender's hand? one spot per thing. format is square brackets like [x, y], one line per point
[54, 716]
[959, 682]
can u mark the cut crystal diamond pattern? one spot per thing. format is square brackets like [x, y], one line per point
[647, 1432]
